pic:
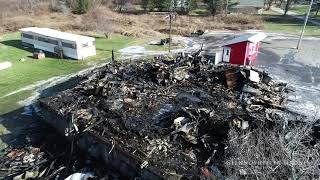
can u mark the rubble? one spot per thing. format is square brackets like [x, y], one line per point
[197, 33]
[160, 42]
[164, 119]
[47, 155]
[38, 55]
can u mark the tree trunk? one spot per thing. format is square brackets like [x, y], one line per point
[286, 9]
[214, 8]
[213, 11]
[30, 5]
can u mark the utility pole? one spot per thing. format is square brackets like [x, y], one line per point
[305, 23]
[170, 17]
[170, 24]
[112, 57]
[227, 4]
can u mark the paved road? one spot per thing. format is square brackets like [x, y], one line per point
[295, 15]
[299, 68]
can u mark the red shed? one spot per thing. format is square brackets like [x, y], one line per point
[242, 50]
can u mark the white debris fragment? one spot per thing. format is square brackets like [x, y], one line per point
[244, 125]
[5, 65]
[254, 76]
[80, 176]
[178, 121]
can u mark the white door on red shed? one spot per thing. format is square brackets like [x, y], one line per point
[226, 54]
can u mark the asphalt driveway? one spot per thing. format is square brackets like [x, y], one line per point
[299, 68]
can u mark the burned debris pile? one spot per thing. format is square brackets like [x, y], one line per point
[23, 160]
[164, 119]
[41, 153]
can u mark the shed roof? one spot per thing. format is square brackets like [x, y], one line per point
[251, 37]
[58, 34]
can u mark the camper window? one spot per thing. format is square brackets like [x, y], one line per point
[53, 42]
[42, 39]
[68, 45]
[50, 41]
[27, 36]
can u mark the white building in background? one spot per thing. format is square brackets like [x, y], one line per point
[251, 3]
[70, 45]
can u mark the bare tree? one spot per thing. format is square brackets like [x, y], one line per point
[280, 3]
[316, 9]
[30, 3]
[83, 6]
[145, 4]
[268, 4]
[215, 6]
[287, 6]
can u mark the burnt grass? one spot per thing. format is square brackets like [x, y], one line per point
[172, 117]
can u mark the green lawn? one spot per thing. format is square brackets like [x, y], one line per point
[275, 22]
[299, 9]
[29, 71]
[200, 11]
[302, 10]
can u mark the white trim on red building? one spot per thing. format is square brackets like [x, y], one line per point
[254, 38]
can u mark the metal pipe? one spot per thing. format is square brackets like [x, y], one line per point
[304, 25]
[226, 10]
[170, 16]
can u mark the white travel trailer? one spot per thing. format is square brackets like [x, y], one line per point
[70, 45]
